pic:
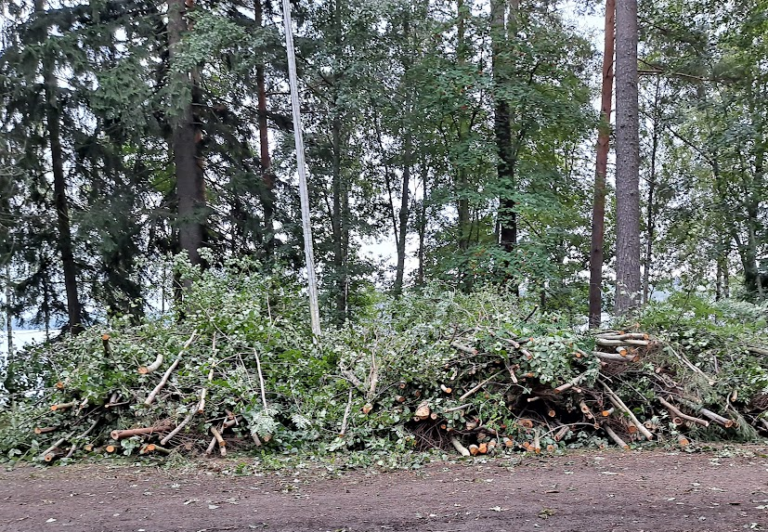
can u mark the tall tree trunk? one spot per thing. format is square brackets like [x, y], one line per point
[185, 142]
[267, 175]
[505, 166]
[338, 223]
[462, 180]
[628, 283]
[8, 311]
[404, 214]
[61, 202]
[422, 228]
[650, 225]
[601, 170]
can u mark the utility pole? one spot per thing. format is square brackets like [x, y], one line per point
[314, 309]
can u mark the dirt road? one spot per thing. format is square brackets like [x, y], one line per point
[588, 492]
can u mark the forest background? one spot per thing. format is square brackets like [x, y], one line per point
[461, 132]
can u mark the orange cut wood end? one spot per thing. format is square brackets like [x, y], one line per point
[105, 337]
[367, 408]
[111, 448]
[59, 385]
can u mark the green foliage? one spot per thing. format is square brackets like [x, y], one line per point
[249, 325]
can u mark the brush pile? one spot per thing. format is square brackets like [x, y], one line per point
[469, 374]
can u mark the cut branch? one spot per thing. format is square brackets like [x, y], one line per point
[676, 412]
[621, 406]
[154, 366]
[479, 386]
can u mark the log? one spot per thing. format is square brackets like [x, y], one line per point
[220, 440]
[456, 408]
[423, 410]
[562, 432]
[474, 450]
[346, 414]
[127, 433]
[211, 446]
[482, 448]
[757, 350]
[682, 440]
[178, 428]
[463, 451]
[204, 391]
[367, 407]
[445, 388]
[764, 422]
[623, 336]
[615, 357]
[53, 451]
[527, 354]
[106, 346]
[150, 448]
[536, 443]
[720, 420]
[52, 455]
[62, 406]
[618, 403]
[151, 397]
[154, 366]
[479, 386]
[677, 413]
[604, 342]
[508, 442]
[585, 410]
[615, 437]
[525, 423]
[110, 449]
[464, 348]
[607, 413]
[570, 384]
[45, 430]
[512, 375]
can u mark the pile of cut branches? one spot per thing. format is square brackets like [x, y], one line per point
[472, 374]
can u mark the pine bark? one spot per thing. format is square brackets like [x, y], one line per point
[601, 170]
[267, 175]
[185, 142]
[61, 201]
[628, 282]
[8, 311]
[650, 225]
